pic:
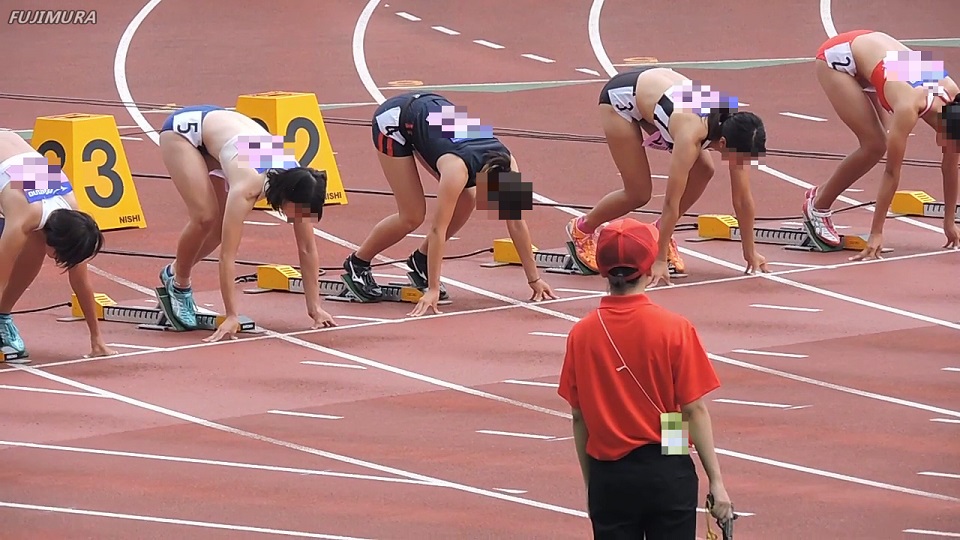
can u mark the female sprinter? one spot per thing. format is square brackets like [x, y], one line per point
[875, 83]
[40, 217]
[221, 191]
[406, 129]
[658, 101]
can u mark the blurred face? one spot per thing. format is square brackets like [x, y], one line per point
[297, 212]
[730, 155]
[948, 144]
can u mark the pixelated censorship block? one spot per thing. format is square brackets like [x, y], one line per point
[297, 118]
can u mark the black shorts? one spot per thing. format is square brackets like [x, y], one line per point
[644, 493]
[387, 136]
[627, 79]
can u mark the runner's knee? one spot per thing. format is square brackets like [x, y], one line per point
[412, 220]
[874, 147]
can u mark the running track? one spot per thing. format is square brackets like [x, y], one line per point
[179, 438]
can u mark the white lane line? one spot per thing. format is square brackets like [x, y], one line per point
[794, 265]
[532, 383]
[803, 116]
[307, 415]
[582, 291]
[512, 491]
[357, 318]
[445, 30]
[45, 390]
[171, 521]
[130, 138]
[768, 353]
[754, 403]
[218, 463]
[785, 308]
[855, 190]
[946, 420]
[513, 434]
[548, 334]
[826, 18]
[538, 58]
[136, 347]
[589, 71]
[332, 364]
[486, 43]
[262, 223]
[940, 474]
[933, 533]
[408, 16]
[417, 235]
[950, 369]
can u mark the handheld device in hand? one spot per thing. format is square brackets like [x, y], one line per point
[726, 527]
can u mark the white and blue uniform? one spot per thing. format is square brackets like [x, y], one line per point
[188, 123]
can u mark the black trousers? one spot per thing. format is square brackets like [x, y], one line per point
[644, 495]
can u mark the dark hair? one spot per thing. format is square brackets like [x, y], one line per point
[951, 119]
[74, 236]
[496, 160]
[743, 131]
[300, 185]
[617, 281]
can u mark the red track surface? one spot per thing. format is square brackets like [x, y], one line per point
[422, 391]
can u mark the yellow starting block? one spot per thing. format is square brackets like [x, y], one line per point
[725, 227]
[285, 278]
[155, 318]
[918, 204]
[555, 262]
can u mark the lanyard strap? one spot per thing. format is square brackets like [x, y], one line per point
[623, 364]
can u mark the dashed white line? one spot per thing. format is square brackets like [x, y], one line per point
[754, 403]
[513, 491]
[307, 415]
[445, 30]
[408, 16]
[803, 116]
[946, 420]
[47, 390]
[785, 308]
[589, 71]
[933, 533]
[486, 43]
[950, 369]
[548, 334]
[940, 474]
[137, 347]
[538, 58]
[768, 353]
[513, 434]
[532, 383]
[333, 364]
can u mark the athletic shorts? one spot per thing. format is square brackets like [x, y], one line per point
[387, 135]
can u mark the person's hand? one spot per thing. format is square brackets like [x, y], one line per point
[542, 291]
[755, 261]
[321, 319]
[428, 300]
[229, 327]
[722, 508]
[873, 249]
[99, 348]
[952, 232]
[659, 271]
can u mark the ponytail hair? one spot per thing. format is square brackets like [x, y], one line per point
[618, 282]
[743, 132]
[496, 161]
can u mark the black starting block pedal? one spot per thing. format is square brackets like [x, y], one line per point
[13, 356]
[281, 277]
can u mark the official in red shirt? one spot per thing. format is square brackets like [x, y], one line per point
[635, 376]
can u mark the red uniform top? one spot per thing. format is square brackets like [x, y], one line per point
[663, 351]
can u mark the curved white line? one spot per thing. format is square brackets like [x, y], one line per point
[360, 57]
[120, 71]
[593, 28]
[826, 18]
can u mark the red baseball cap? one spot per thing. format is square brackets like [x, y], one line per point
[627, 243]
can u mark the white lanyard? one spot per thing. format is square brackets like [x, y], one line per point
[623, 365]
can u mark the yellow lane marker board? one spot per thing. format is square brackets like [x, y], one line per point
[87, 147]
[726, 227]
[153, 318]
[918, 204]
[284, 278]
[297, 117]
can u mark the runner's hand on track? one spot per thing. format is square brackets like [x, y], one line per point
[428, 300]
[756, 261]
[952, 232]
[542, 291]
[229, 327]
[321, 319]
[659, 271]
[873, 249]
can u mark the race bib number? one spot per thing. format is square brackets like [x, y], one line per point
[840, 58]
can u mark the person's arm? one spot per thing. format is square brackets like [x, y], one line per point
[901, 124]
[685, 154]
[79, 277]
[236, 209]
[453, 177]
[745, 211]
[309, 258]
[948, 168]
[520, 235]
[580, 436]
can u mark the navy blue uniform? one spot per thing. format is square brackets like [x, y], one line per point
[400, 127]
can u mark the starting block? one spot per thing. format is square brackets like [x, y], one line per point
[155, 318]
[918, 204]
[726, 227]
[554, 262]
[10, 354]
[285, 278]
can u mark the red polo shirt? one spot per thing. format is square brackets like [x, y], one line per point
[662, 350]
